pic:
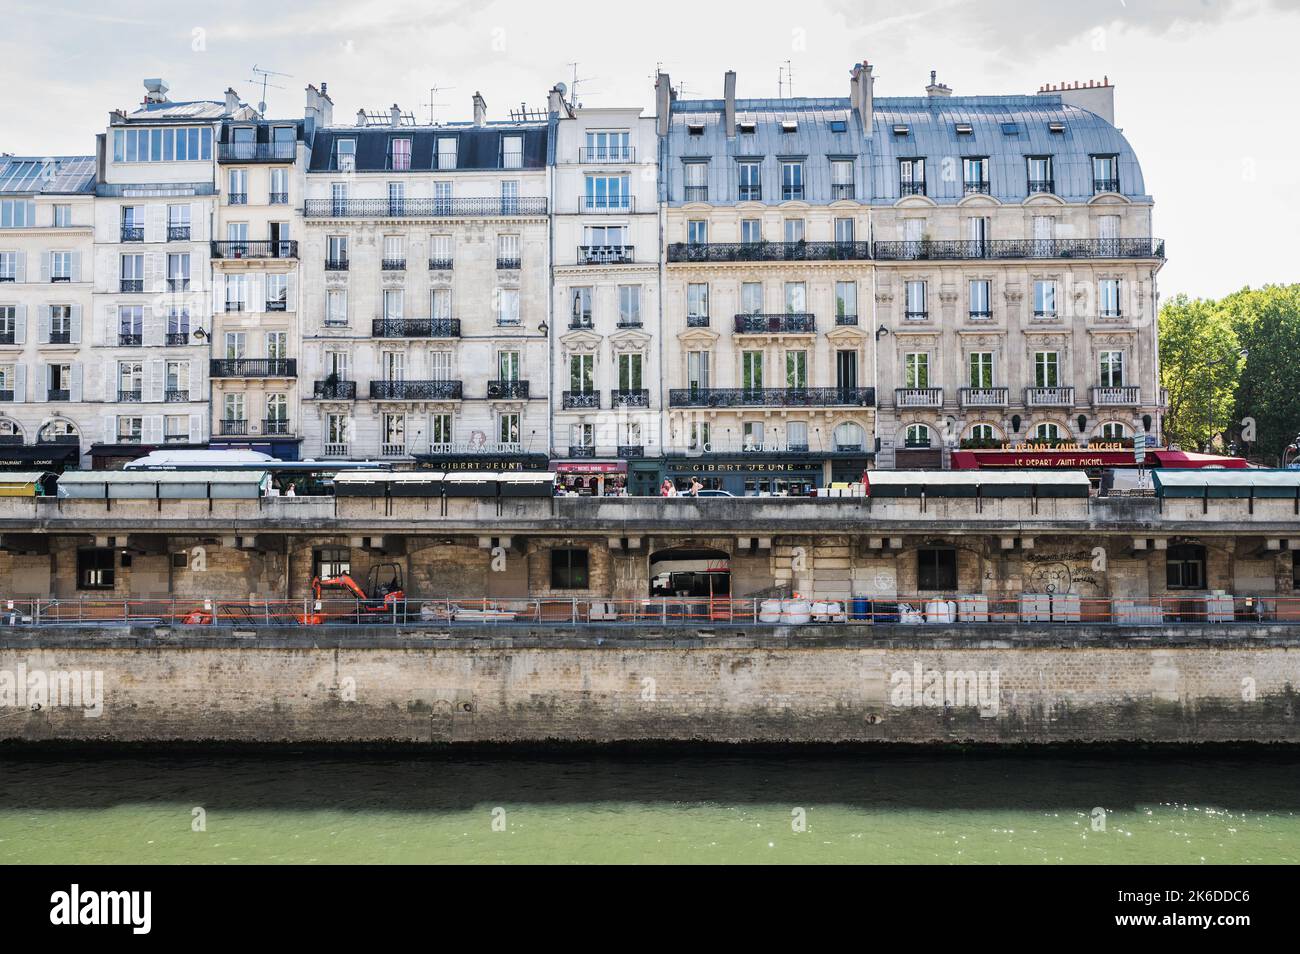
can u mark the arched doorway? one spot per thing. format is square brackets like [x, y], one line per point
[687, 572]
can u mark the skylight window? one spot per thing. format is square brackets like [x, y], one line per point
[1011, 129]
[965, 129]
[839, 126]
[695, 129]
[901, 129]
[1057, 128]
[789, 126]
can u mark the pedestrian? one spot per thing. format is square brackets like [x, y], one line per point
[696, 487]
[290, 492]
[666, 489]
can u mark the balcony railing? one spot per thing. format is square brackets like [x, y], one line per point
[1126, 396]
[237, 198]
[982, 397]
[60, 337]
[393, 265]
[768, 251]
[961, 249]
[772, 397]
[631, 450]
[125, 340]
[916, 315]
[178, 337]
[1104, 185]
[787, 323]
[392, 449]
[918, 397]
[580, 323]
[422, 208]
[580, 399]
[749, 193]
[279, 198]
[605, 254]
[1049, 397]
[334, 390]
[336, 450]
[130, 397]
[253, 367]
[336, 264]
[582, 450]
[58, 394]
[696, 193]
[255, 151]
[977, 188]
[133, 233]
[415, 390]
[843, 190]
[911, 188]
[630, 397]
[509, 264]
[234, 426]
[697, 321]
[607, 154]
[498, 390]
[275, 426]
[1041, 185]
[7, 395]
[178, 233]
[131, 285]
[259, 249]
[607, 203]
[979, 315]
[176, 395]
[415, 328]
[843, 320]
[440, 264]
[629, 321]
[791, 193]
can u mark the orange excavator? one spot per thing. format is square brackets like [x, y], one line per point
[383, 600]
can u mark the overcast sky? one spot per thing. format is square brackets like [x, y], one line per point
[1205, 90]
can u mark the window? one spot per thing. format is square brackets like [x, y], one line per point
[331, 562]
[508, 255]
[394, 434]
[697, 370]
[697, 232]
[440, 366]
[981, 369]
[338, 430]
[1046, 369]
[130, 324]
[629, 306]
[512, 152]
[696, 181]
[1044, 299]
[582, 373]
[232, 408]
[749, 177]
[96, 568]
[751, 435]
[916, 301]
[507, 306]
[1108, 298]
[916, 369]
[236, 292]
[983, 432]
[279, 187]
[607, 192]
[440, 304]
[1105, 174]
[60, 324]
[344, 156]
[751, 298]
[508, 365]
[751, 231]
[796, 369]
[1039, 170]
[1047, 432]
[441, 431]
[184, 144]
[399, 153]
[60, 266]
[8, 266]
[700, 436]
[569, 569]
[277, 344]
[751, 370]
[336, 307]
[237, 187]
[697, 302]
[62, 216]
[129, 430]
[794, 230]
[791, 181]
[508, 428]
[975, 175]
[1185, 567]
[844, 231]
[796, 436]
[394, 365]
[629, 371]
[17, 213]
[608, 146]
[580, 307]
[796, 298]
[178, 272]
[336, 250]
[236, 345]
[1112, 369]
[911, 176]
[936, 569]
[1114, 431]
[917, 435]
[582, 435]
[980, 305]
[277, 292]
[446, 152]
[178, 379]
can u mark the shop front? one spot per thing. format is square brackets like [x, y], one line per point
[590, 478]
[53, 457]
[762, 474]
[482, 463]
[1059, 457]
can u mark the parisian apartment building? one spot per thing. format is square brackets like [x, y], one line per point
[768, 294]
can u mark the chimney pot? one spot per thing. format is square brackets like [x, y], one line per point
[480, 109]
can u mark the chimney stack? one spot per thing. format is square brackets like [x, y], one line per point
[936, 88]
[729, 95]
[480, 109]
[555, 101]
[1098, 98]
[394, 116]
[663, 103]
[232, 102]
[862, 94]
[361, 117]
[155, 90]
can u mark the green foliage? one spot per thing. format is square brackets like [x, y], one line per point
[1199, 368]
[1267, 322]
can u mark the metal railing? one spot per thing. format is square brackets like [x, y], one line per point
[275, 426]
[416, 390]
[1041, 185]
[1104, 185]
[911, 188]
[509, 264]
[336, 264]
[607, 154]
[58, 394]
[255, 151]
[131, 285]
[178, 233]
[605, 254]
[843, 190]
[422, 208]
[440, 264]
[696, 193]
[258, 249]
[624, 397]
[976, 188]
[772, 397]
[777, 323]
[133, 233]
[130, 397]
[234, 426]
[176, 395]
[177, 337]
[415, 328]
[607, 203]
[335, 390]
[253, 367]
[125, 340]
[237, 198]
[393, 265]
[962, 249]
[580, 399]
[582, 450]
[768, 251]
[507, 390]
[846, 319]
[631, 450]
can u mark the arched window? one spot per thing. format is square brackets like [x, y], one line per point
[1047, 432]
[984, 432]
[1114, 430]
[10, 431]
[58, 432]
[848, 437]
[918, 435]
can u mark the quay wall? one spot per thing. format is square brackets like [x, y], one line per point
[1031, 684]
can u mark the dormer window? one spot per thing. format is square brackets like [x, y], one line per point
[839, 126]
[1056, 129]
[901, 129]
[399, 154]
[748, 127]
[789, 126]
[695, 129]
[512, 152]
[345, 155]
[1011, 129]
[964, 129]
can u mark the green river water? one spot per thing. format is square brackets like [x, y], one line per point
[683, 806]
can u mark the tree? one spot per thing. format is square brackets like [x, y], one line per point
[1199, 367]
[1267, 322]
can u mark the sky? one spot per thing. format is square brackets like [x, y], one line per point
[1204, 89]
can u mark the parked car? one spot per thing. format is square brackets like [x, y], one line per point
[715, 493]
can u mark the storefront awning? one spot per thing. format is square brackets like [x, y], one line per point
[568, 466]
[1037, 457]
[38, 456]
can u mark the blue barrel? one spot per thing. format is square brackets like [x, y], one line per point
[860, 608]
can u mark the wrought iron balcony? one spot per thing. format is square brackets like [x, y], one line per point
[580, 399]
[982, 397]
[607, 203]
[791, 193]
[768, 251]
[393, 265]
[255, 151]
[772, 397]
[977, 188]
[260, 249]
[631, 450]
[697, 321]
[60, 337]
[581, 450]
[604, 254]
[279, 198]
[334, 390]
[580, 323]
[178, 337]
[133, 233]
[696, 193]
[509, 264]
[630, 397]
[178, 284]
[918, 397]
[237, 198]
[788, 323]
[237, 427]
[498, 390]
[422, 208]
[440, 264]
[176, 395]
[336, 264]
[415, 328]
[130, 397]
[1041, 185]
[849, 320]
[630, 322]
[275, 426]
[1104, 185]
[1049, 397]
[843, 190]
[58, 394]
[750, 193]
[607, 154]
[7, 395]
[979, 315]
[125, 340]
[131, 285]
[911, 188]
[1125, 396]
[961, 249]
[253, 367]
[415, 390]
[277, 304]
[178, 233]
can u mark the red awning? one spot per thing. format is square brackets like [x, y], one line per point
[1172, 458]
[1072, 459]
[589, 466]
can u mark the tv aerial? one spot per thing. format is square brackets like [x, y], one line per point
[433, 100]
[264, 77]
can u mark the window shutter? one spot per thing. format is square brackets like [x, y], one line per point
[74, 385]
[196, 428]
[110, 428]
[198, 222]
[154, 269]
[153, 429]
[76, 266]
[20, 383]
[155, 223]
[74, 330]
[20, 270]
[218, 292]
[108, 332]
[293, 292]
[46, 257]
[155, 326]
[43, 324]
[20, 325]
[198, 378]
[157, 380]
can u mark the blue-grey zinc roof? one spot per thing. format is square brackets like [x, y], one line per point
[44, 175]
[931, 123]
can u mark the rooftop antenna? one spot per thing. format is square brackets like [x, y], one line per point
[433, 99]
[788, 71]
[573, 87]
[264, 76]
